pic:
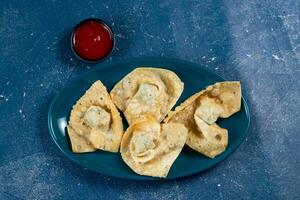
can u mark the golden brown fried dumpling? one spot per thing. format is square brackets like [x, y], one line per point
[147, 92]
[150, 148]
[200, 112]
[95, 122]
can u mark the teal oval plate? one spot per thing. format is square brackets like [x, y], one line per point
[188, 162]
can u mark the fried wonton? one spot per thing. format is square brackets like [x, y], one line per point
[150, 148]
[200, 112]
[147, 91]
[95, 122]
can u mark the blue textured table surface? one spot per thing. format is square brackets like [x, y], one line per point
[256, 42]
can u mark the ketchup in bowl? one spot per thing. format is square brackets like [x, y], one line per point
[92, 40]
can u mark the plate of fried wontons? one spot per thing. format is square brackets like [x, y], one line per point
[149, 119]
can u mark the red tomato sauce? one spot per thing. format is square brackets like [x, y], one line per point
[92, 40]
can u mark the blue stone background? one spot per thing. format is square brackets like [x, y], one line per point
[256, 42]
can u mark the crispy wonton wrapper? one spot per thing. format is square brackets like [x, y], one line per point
[150, 148]
[95, 122]
[147, 92]
[200, 112]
